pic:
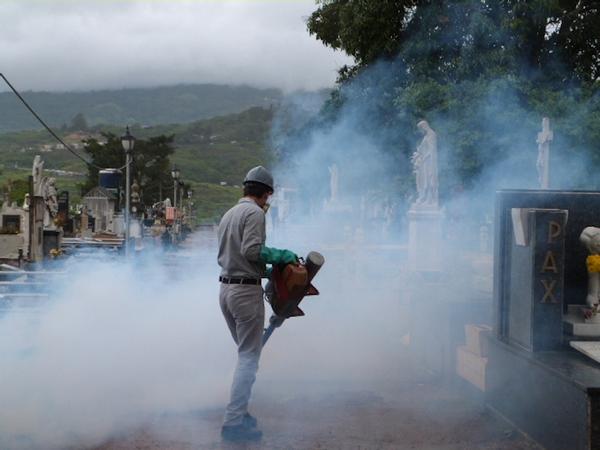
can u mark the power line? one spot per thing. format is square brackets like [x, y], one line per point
[40, 120]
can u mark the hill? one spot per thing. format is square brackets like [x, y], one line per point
[143, 106]
[213, 154]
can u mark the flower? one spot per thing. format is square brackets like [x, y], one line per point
[591, 312]
[593, 263]
[55, 252]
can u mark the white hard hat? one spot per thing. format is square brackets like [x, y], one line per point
[259, 175]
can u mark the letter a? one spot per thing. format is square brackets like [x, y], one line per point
[549, 263]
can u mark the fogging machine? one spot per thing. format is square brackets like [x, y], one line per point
[288, 286]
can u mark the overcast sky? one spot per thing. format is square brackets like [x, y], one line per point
[62, 45]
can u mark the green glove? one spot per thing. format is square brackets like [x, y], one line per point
[270, 255]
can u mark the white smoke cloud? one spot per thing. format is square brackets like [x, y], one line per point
[119, 345]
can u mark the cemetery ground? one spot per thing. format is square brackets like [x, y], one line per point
[384, 398]
[415, 411]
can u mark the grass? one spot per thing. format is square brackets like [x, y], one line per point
[208, 152]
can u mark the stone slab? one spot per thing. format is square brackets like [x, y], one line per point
[588, 348]
[476, 339]
[582, 207]
[554, 397]
[575, 325]
[576, 310]
[533, 279]
[471, 367]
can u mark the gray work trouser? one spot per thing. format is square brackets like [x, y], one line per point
[244, 311]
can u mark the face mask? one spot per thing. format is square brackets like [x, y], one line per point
[266, 207]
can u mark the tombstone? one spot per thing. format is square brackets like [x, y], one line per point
[583, 207]
[84, 224]
[63, 212]
[100, 204]
[118, 224]
[534, 278]
[52, 242]
[14, 232]
[533, 377]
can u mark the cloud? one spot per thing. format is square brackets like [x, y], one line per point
[82, 45]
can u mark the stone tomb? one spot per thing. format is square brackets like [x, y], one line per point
[471, 358]
[533, 278]
[533, 377]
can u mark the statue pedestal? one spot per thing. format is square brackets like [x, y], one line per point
[334, 206]
[424, 238]
[577, 327]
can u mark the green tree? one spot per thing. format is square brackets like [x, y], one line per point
[152, 167]
[150, 163]
[16, 189]
[482, 72]
[543, 35]
[79, 123]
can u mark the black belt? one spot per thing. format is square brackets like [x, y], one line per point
[226, 280]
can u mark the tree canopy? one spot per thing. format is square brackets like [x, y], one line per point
[482, 72]
[436, 38]
[150, 163]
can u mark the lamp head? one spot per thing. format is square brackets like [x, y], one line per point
[127, 141]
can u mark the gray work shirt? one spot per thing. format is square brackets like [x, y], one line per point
[241, 235]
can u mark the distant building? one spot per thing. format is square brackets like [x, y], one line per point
[14, 231]
[101, 205]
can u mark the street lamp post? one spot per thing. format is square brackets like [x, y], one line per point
[180, 210]
[175, 175]
[127, 141]
[180, 196]
[189, 207]
[191, 213]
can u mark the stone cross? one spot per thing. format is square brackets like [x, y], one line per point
[544, 138]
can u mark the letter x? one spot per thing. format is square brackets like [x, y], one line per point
[549, 286]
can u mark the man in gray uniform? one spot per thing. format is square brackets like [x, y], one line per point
[243, 257]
